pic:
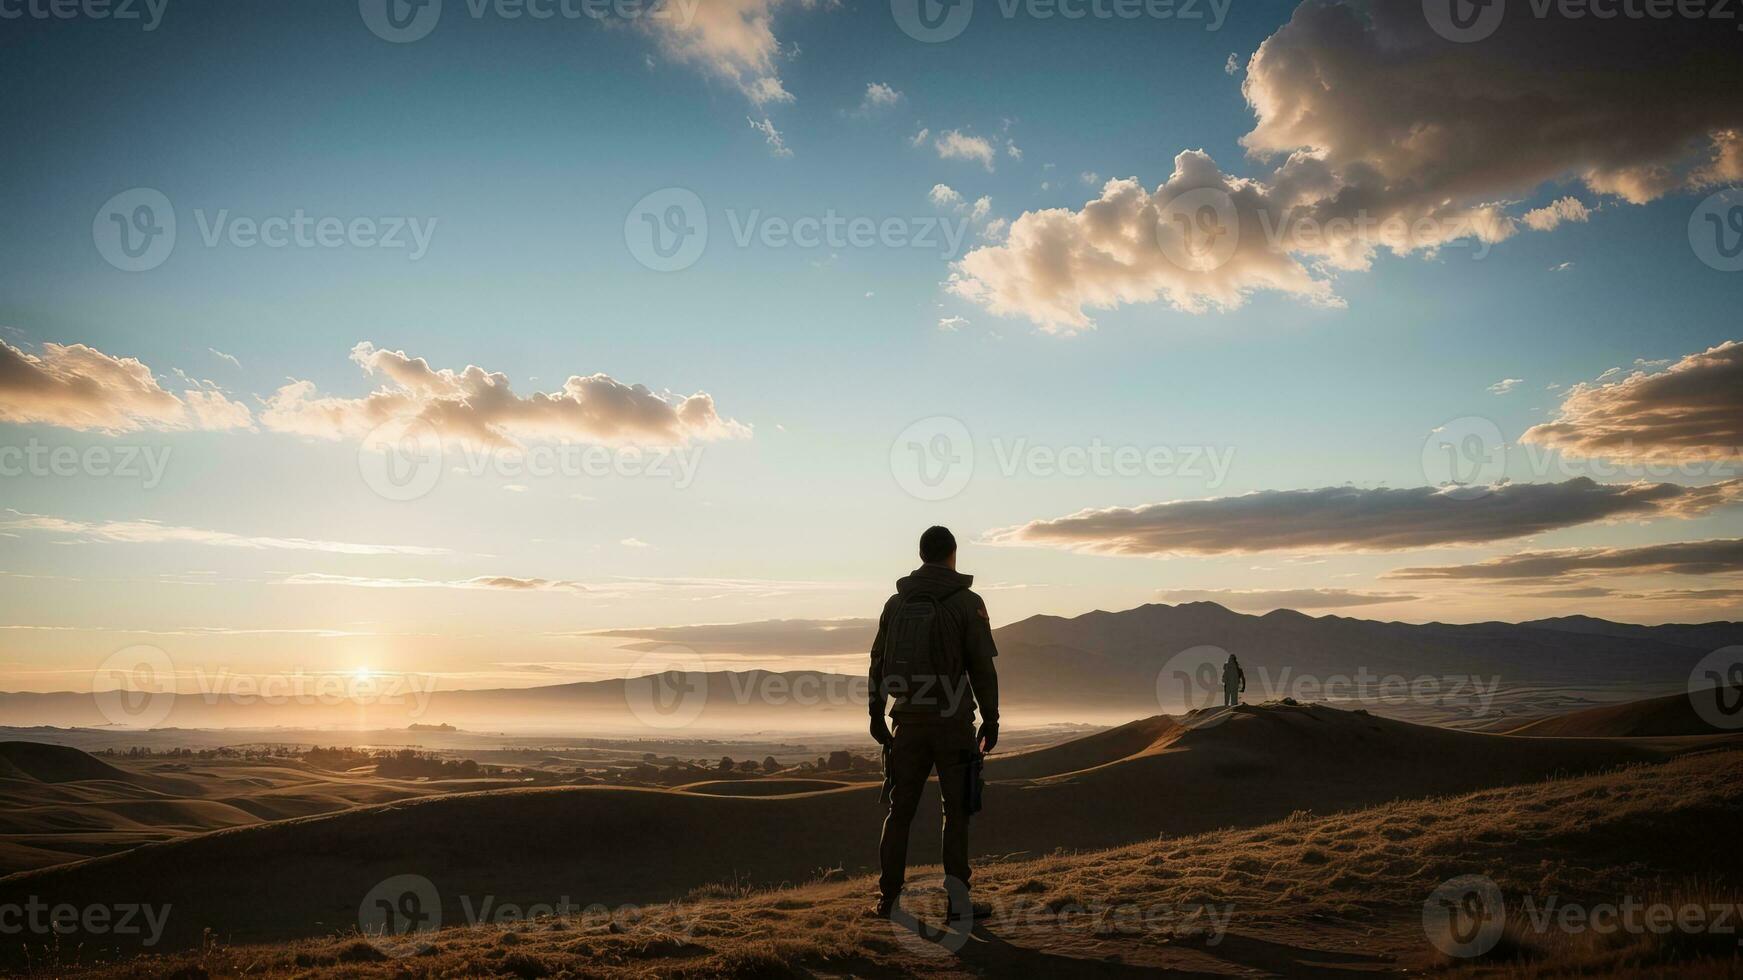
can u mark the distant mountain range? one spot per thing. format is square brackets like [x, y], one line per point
[1128, 663]
[1098, 656]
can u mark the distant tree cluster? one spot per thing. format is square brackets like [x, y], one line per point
[411, 764]
[260, 753]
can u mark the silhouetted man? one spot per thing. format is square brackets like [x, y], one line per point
[1234, 681]
[934, 656]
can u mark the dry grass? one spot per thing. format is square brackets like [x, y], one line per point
[1352, 881]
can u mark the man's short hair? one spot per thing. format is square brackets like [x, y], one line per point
[937, 544]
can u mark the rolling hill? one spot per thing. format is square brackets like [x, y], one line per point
[1671, 715]
[1220, 768]
[1317, 895]
[64, 805]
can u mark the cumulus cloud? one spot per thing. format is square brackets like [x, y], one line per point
[955, 145]
[878, 96]
[1356, 519]
[1380, 135]
[479, 408]
[1264, 600]
[1412, 119]
[78, 387]
[1125, 247]
[945, 198]
[1708, 557]
[1691, 411]
[1505, 385]
[153, 532]
[1556, 212]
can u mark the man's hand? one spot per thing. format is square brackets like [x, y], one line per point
[989, 736]
[880, 730]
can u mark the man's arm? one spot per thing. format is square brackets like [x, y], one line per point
[978, 654]
[874, 695]
[875, 677]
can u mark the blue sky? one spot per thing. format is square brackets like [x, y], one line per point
[522, 147]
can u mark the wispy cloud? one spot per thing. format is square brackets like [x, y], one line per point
[500, 583]
[153, 532]
[1260, 600]
[1678, 558]
[771, 135]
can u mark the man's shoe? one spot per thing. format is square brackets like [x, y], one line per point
[885, 908]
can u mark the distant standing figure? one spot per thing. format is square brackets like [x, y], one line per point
[1234, 681]
[933, 656]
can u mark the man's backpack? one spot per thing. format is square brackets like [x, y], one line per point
[918, 664]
